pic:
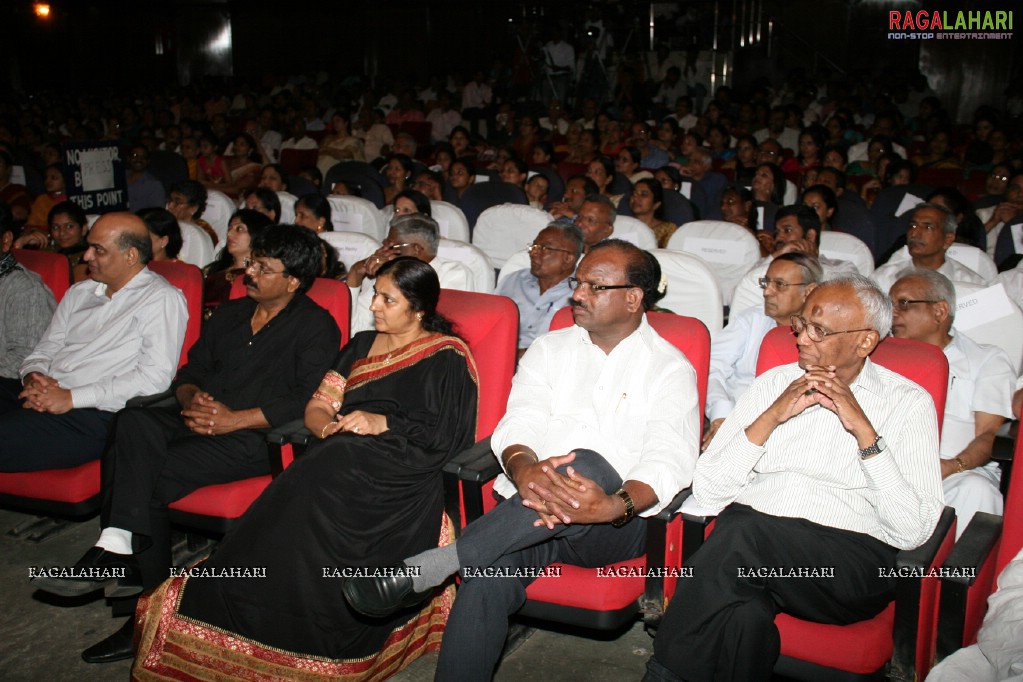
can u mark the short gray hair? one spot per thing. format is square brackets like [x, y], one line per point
[604, 201]
[877, 307]
[949, 222]
[810, 266]
[569, 231]
[421, 228]
[939, 287]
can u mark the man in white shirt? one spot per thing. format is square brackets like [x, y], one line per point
[885, 125]
[932, 231]
[801, 461]
[980, 384]
[601, 426]
[543, 289]
[733, 350]
[776, 130]
[558, 66]
[443, 118]
[414, 235]
[684, 113]
[113, 337]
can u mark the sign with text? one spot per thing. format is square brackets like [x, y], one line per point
[94, 175]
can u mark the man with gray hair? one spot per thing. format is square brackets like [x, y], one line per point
[596, 220]
[981, 381]
[833, 459]
[113, 337]
[789, 279]
[713, 184]
[543, 289]
[414, 235]
[931, 232]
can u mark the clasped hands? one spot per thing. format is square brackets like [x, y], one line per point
[564, 498]
[821, 386]
[43, 393]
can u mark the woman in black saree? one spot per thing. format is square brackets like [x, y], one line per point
[400, 403]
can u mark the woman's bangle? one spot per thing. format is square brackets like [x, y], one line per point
[960, 465]
[324, 429]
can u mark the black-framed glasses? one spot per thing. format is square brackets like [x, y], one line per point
[816, 332]
[544, 249]
[576, 283]
[765, 282]
[903, 304]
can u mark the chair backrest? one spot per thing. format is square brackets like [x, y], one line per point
[688, 334]
[196, 245]
[987, 315]
[189, 280]
[300, 186]
[517, 261]
[450, 220]
[329, 294]
[975, 259]
[368, 184]
[635, 232]
[489, 325]
[842, 246]
[351, 247]
[354, 214]
[219, 209]
[692, 288]
[888, 206]
[748, 292]
[555, 185]
[294, 160]
[854, 218]
[505, 229]
[728, 249]
[473, 258]
[167, 167]
[677, 209]
[287, 200]
[922, 363]
[483, 195]
[53, 268]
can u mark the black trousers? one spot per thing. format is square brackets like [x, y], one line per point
[33, 441]
[155, 460]
[506, 538]
[720, 623]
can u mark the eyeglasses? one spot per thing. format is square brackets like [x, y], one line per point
[396, 247]
[1000, 178]
[903, 303]
[260, 270]
[576, 283]
[815, 332]
[544, 249]
[765, 282]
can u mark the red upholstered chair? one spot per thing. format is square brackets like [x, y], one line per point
[52, 267]
[76, 491]
[985, 547]
[901, 637]
[579, 596]
[215, 507]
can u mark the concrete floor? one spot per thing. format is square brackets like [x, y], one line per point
[42, 636]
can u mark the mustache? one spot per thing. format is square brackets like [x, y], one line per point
[249, 282]
[574, 303]
[914, 242]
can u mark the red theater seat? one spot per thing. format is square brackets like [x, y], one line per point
[52, 267]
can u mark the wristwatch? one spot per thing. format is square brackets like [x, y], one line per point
[871, 450]
[630, 508]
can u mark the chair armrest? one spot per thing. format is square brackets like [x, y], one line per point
[162, 399]
[476, 452]
[672, 507]
[923, 556]
[966, 581]
[662, 552]
[292, 432]
[1002, 451]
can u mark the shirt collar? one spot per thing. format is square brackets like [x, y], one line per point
[868, 379]
[141, 278]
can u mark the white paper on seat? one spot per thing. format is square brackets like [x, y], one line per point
[1017, 237]
[349, 222]
[715, 250]
[760, 217]
[909, 201]
[481, 178]
[981, 307]
[686, 189]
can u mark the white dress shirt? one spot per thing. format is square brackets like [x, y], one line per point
[452, 275]
[476, 95]
[886, 275]
[636, 406]
[733, 359]
[443, 123]
[810, 466]
[107, 350]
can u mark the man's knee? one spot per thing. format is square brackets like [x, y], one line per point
[593, 466]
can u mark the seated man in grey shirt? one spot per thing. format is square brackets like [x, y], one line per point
[542, 290]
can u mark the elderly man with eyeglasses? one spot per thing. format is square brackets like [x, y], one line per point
[543, 289]
[255, 366]
[828, 465]
[601, 431]
[733, 350]
[981, 382]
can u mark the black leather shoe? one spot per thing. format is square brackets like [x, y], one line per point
[116, 647]
[117, 575]
[381, 596]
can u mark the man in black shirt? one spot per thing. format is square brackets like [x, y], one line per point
[258, 361]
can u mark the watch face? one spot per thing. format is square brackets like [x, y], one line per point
[880, 445]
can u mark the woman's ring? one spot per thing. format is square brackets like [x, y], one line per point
[356, 429]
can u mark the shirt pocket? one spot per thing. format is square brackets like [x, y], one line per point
[959, 402]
